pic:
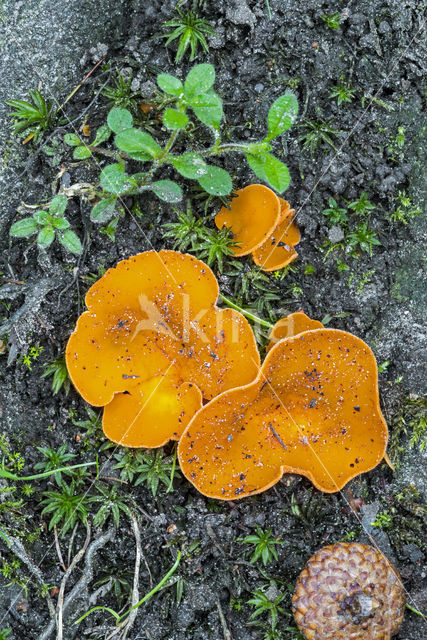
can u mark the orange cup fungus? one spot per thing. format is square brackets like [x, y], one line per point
[252, 216]
[152, 345]
[290, 326]
[313, 410]
[262, 224]
[278, 250]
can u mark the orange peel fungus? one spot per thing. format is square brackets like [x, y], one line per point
[313, 410]
[290, 326]
[253, 215]
[278, 250]
[152, 345]
[262, 224]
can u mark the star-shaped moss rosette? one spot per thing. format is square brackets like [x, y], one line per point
[153, 345]
[312, 410]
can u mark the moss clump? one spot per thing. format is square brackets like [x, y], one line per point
[409, 420]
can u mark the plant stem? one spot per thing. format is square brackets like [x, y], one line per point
[109, 154]
[156, 588]
[248, 314]
[240, 147]
[415, 611]
[4, 473]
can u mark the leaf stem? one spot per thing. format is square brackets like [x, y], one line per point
[151, 593]
[156, 588]
[240, 147]
[415, 611]
[4, 473]
[248, 314]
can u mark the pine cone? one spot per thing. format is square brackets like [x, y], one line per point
[348, 592]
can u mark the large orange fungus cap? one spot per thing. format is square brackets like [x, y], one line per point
[312, 410]
[253, 214]
[277, 250]
[152, 345]
[290, 326]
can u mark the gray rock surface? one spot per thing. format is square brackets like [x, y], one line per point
[42, 45]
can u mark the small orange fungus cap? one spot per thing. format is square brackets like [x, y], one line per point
[290, 326]
[312, 410]
[252, 216]
[153, 344]
[278, 250]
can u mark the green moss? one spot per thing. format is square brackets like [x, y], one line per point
[410, 420]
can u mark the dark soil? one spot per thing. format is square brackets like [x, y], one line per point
[378, 51]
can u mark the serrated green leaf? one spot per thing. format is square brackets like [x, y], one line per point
[216, 181]
[256, 163]
[114, 179]
[58, 204]
[119, 119]
[137, 144]
[167, 190]
[45, 237]
[208, 109]
[24, 228]
[169, 84]
[82, 153]
[277, 174]
[103, 210]
[199, 80]
[71, 242]
[102, 134]
[190, 165]
[60, 223]
[72, 140]
[174, 119]
[42, 217]
[282, 114]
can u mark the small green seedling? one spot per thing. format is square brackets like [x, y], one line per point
[150, 468]
[264, 543]
[383, 520]
[194, 97]
[332, 21]
[66, 507]
[34, 117]
[54, 460]
[190, 30]
[82, 151]
[342, 92]
[335, 214]
[29, 358]
[405, 210]
[61, 379]
[316, 133]
[363, 238]
[48, 225]
[362, 205]
[120, 94]
[263, 604]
